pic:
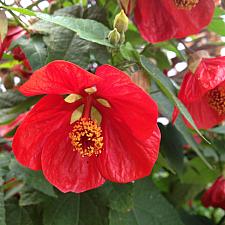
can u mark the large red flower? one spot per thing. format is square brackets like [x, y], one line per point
[203, 93]
[215, 195]
[104, 129]
[160, 20]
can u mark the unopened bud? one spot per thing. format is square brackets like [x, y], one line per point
[114, 37]
[121, 22]
[195, 59]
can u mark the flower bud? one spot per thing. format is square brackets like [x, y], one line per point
[195, 59]
[121, 22]
[114, 37]
[3, 25]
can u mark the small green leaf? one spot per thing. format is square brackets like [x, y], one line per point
[219, 130]
[2, 205]
[34, 50]
[33, 178]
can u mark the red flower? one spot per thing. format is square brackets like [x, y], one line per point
[166, 19]
[63, 138]
[215, 195]
[203, 93]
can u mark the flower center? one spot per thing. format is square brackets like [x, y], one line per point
[186, 4]
[216, 99]
[86, 137]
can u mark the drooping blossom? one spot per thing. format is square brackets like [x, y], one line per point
[203, 93]
[166, 19]
[215, 195]
[88, 128]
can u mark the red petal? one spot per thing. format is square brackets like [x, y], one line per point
[161, 20]
[130, 105]
[125, 158]
[58, 77]
[203, 115]
[66, 169]
[210, 73]
[46, 116]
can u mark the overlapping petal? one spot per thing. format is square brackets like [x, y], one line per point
[46, 116]
[130, 105]
[162, 20]
[59, 77]
[65, 168]
[125, 158]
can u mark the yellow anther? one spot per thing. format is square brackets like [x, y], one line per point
[104, 102]
[86, 137]
[72, 98]
[216, 99]
[186, 4]
[90, 90]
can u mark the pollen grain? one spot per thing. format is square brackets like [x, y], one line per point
[216, 99]
[86, 137]
[186, 4]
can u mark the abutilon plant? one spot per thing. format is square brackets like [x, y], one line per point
[105, 128]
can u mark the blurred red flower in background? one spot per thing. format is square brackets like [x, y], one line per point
[203, 93]
[166, 19]
[68, 140]
[215, 195]
[14, 32]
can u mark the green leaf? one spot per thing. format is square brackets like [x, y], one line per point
[2, 205]
[73, 209]
[87, 29]
[217, 24]
[10, 98]
[198, 173]
[29, 196]
[121, 197]
[171, 146]
[63, 210]
[16, 215]
[34, 50]
[167, 88]
[219, 130]
[150, 208]
[19, 10]
[67, 45]
[34, 178]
